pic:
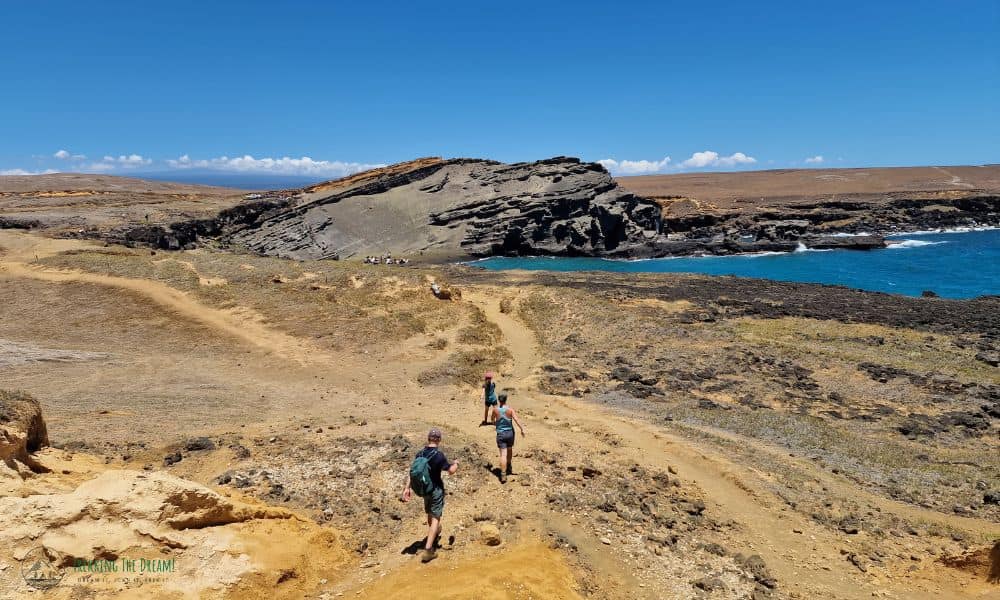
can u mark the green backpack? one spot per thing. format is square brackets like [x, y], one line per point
[420, 475]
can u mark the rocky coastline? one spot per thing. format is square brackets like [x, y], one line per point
[441, 209]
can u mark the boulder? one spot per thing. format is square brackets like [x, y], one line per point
[489, 534]
[22, 429]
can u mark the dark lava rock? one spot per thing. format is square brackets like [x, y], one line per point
[882, 373]
[990, 358]
[849, 524]
[199, 443]
[715, 549]
[929, 294]
[972, 421]
[172, 459]
[695, 507]
[709, 584]
[240, 451]
[858, 561]
[919, 424]
[992, 497]
[757, 569]
[625, 374]
[707, 404]
[638, 390]
[854, 242]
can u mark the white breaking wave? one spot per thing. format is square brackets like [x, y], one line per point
[803, 248]
[913, 244]
[938, 231]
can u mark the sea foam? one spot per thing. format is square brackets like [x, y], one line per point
[912, 244]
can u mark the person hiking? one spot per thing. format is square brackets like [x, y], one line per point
[505, 417]
[424, 479]
[489, 397]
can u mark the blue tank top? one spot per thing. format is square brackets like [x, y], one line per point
[503, 421]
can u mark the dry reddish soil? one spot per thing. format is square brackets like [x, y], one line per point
[75, 203]
[746, 190]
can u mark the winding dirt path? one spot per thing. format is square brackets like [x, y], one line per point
[805, 556]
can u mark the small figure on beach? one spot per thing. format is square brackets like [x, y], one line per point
[424, 480]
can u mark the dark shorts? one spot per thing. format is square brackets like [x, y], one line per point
[434, 503]
[492, 401]
[505, 439]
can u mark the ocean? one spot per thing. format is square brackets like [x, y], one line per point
[951, 264]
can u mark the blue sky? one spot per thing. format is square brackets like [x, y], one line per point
[338, 86]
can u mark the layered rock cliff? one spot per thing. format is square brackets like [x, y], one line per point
[559, 206]
[564, 207]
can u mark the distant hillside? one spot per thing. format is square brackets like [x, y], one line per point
[94, 204]
[789, 186]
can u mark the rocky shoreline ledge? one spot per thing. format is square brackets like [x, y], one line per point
[470, 208]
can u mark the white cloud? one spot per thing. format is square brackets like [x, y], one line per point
[122, 161]
[814, 160]
[698, 160]
[283, 166]
[66, 155]
[8, 172]
[132, 160]
[708, 158]
[635, 167]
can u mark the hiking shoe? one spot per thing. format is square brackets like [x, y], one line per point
[428, 555]
[503, 478]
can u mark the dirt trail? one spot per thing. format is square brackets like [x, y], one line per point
[810, 562]
[241, 323]
[540, 573]
[804, 556]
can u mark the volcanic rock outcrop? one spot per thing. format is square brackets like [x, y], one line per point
[559, 206]
[459, 208]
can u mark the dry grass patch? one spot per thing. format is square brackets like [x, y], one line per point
[856, 343]
[313, 299]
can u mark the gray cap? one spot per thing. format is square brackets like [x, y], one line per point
[434, 434]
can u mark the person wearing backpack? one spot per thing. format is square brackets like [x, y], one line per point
[505, 417]
[424, 480]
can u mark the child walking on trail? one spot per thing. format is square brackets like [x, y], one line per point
[489, 397]
[505, 417]
[424, 479]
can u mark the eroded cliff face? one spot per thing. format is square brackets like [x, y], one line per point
[559, 206]
[460, 208]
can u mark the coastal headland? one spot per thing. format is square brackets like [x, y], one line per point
[471, 208]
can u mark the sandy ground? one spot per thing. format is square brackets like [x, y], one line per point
[145, 365]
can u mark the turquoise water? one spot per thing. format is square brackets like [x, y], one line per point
[954, 265]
